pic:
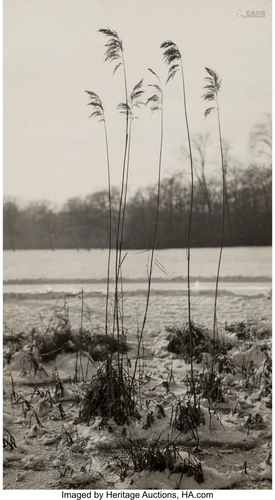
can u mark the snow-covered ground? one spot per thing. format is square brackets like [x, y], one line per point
[234, 435]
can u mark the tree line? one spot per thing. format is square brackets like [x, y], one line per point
[82, 223]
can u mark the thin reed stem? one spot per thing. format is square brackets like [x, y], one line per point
[212, 89]
[189, 234]
[120, 224]
[172, 57]
[215, 331]
[82, 311]
[110, 232]
[126, 108]
[157, 100]
[99, 112]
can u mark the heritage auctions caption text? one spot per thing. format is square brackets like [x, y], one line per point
[111, 495]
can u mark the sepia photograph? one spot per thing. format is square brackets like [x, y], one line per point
[137, 247]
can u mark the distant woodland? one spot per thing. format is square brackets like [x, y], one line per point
[82, 223]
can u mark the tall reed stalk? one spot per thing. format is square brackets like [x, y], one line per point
[212, 90]
[156, 103]
[115, 52]
[128, 108]
[172, 58]
[98, 112]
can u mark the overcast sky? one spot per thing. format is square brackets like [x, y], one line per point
[53, 52]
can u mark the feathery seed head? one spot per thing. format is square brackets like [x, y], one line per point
[172, 57]
[97, 105]
[212, 89]
[124, 108]
[114, 46]
[156, 100]
[134, 101]
[153, 73]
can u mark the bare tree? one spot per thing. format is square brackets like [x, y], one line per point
[201, 142]
[10, 221]
[260, 139]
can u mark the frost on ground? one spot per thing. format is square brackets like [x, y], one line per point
[226, 444]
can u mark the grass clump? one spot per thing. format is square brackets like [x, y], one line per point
[101, 346]
[208, 385]
[97, 345]
[50, 346]
[187, 417]
[8, 440]
[111, 394]
[179, 342]
[192, 468]
[242, 329]
[59, 336]
[153, 457]
[248, 330]
[157, 456]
